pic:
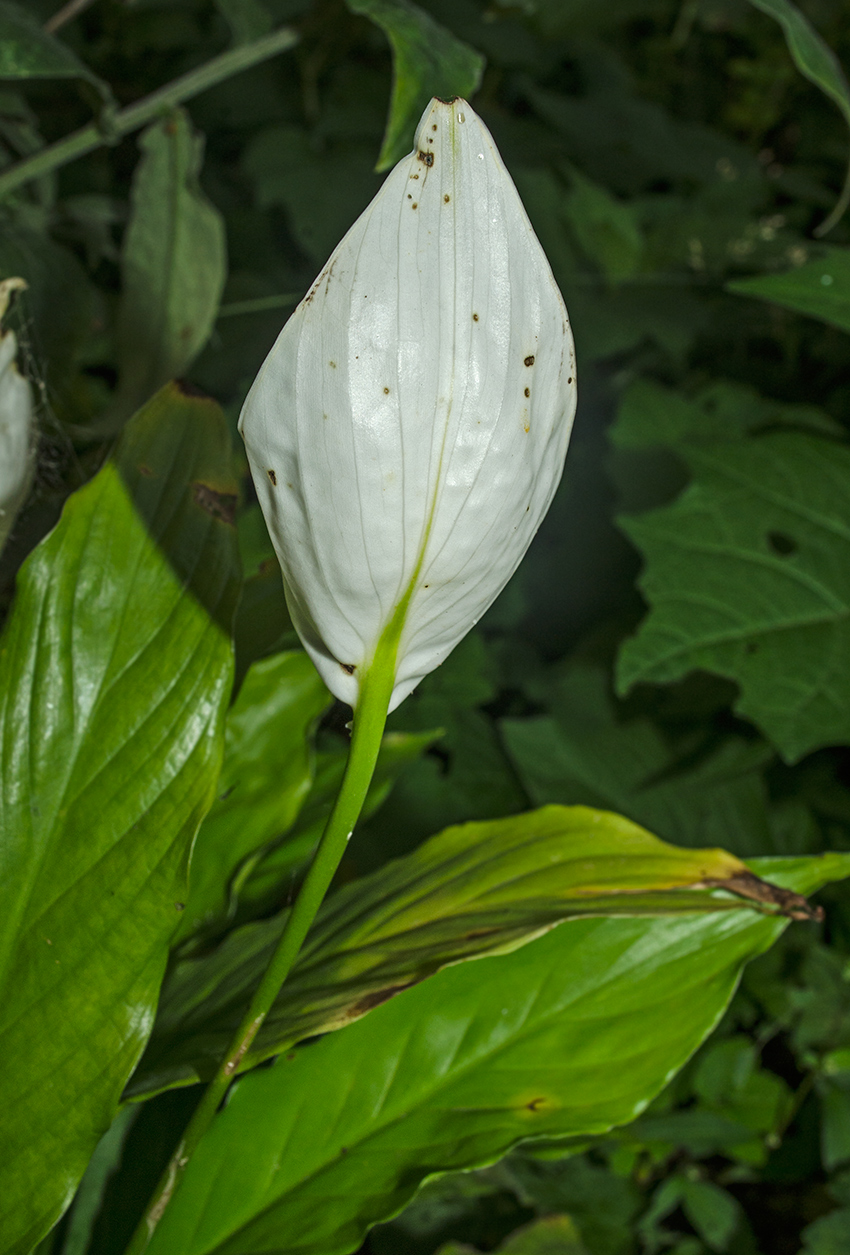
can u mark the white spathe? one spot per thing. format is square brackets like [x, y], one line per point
[16, 422]
[408, 429]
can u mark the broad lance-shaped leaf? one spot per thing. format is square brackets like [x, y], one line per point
[472, 890]
[820, 289]
[428, 60]
[173, 263]
[408, 429]
[567, 1036]
[748, 575]
[115, 669]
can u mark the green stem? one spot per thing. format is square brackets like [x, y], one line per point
[159, 102]
[369, 720]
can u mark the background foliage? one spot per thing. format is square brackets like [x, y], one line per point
[675, 645]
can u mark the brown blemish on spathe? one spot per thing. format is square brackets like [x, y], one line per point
[528, 392]
[273, 479]
[221, 505]
[348, 667]
[475, 318]
[426, 158]
[447, 198]
[386, 392]
[529, 361]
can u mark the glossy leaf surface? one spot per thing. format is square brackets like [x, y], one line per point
[265, 778]
[428, 60]
[570, 1035]
[748, 575]
[115, 669]
[471, 890]
[173, 262]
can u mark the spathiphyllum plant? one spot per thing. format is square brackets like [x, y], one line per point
[408, 430]
[182, 904]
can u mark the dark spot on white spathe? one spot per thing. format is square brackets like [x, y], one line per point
[475, 318]
[529, 361]
[273, 477]
[348, 667]
[447, 198]
[528, 392]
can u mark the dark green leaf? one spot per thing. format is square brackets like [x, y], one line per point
[814, 58]
[247, 19]
[265, 777]
[428, 60]
[471, 890]
[28, 51]
[173, 263]
[569, 1035]
[116, 667]
[587, 755]
[820, 289]
[748, 576]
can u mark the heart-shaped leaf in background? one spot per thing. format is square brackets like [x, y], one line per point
[115, 670]
[747, 572]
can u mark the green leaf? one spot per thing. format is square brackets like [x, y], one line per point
[271, 880]
[712, 1211]
[265, 777]
[606, 228]
[820, 289]
[428, 61]
[471, 890]
[748, 575]
[586, 754]
[570, 1035]
[248, 19]
[115, 670]
[173, 263]
[28, 51]
[816, 60]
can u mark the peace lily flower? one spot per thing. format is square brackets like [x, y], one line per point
[408, 429]
[16, 423]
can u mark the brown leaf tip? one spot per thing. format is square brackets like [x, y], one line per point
[221, 505]
[785, 901]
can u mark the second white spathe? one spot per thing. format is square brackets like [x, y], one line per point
[408, 429]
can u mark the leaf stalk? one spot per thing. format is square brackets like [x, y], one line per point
[134, 116]
[368, 728]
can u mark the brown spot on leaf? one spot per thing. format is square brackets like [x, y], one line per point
[369, 1001]
[747, 885]
[273, 478]
[144, 470]
[426, 158]
[187, 389]
[221, 505]
[529, 361]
